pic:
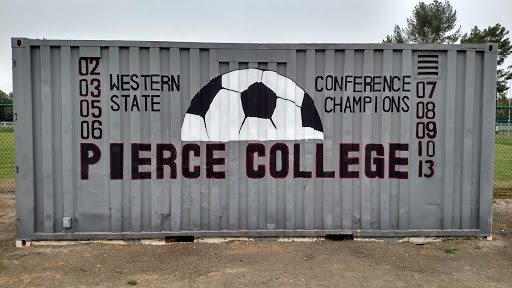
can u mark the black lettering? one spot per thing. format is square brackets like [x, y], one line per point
[211, 161]
[387, 83]
[155, 103]
[377, 84]
[348, 105]
[138, 161]
[145, 101]
[358, 83]
[405, 82]
[338, 104]
[316, 84]
[113, 100]
[125, 82]
[368, 83]
[114, 85]
[284, 160]
[185, 161]
[135, 103]
[116, 161]
[367, 100]
[297, 173]
[357, 102]
[386, 104]
[345, 161]
[154, 82]
[338, 83]
[175, 83]
[86, 160]
[165, 82]
[125, 101]
[135, 81]
[162, 161]
[405, 107]
[254, 148]
[395, 85]
[347, 81]
[320, 173]
[325, 107]
[145, 77]
[396, 104]
[377, 161]
[329, 79]
[394, 161]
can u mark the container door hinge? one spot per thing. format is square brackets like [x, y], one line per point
[18, 222]
[15, 116]
[13, 63]
[17, 170]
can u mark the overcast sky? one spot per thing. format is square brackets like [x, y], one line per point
[264, 21]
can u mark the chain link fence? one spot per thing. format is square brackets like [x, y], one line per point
[6, 150]
[503, 152]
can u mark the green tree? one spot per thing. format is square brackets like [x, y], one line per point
[429, 24]
[5, 111]
[397, 37]
[501, 114]
[494, 34]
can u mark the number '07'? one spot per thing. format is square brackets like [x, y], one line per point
[421, 91]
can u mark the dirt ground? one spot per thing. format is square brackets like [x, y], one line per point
[471, 263]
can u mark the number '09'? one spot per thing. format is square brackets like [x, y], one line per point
[429, 129]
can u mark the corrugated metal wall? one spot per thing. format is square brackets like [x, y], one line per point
[456, 200]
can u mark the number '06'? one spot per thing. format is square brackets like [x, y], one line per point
[91, 129]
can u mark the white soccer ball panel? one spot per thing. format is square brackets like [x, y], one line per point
[240, 80]
[224, 116]
[193, 128]
[288, 119]
[311, 133]
[258, 129]
[283, 87]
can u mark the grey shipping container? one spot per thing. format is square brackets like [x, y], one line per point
[120, 139]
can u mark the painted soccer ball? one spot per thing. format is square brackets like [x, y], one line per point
[251, 104]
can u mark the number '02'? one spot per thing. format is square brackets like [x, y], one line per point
[88, 66]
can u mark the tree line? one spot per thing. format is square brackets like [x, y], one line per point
[436, 23]
[5, 111]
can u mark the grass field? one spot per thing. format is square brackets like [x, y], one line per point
[7, 160]
[502, 163]
[6, 153]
